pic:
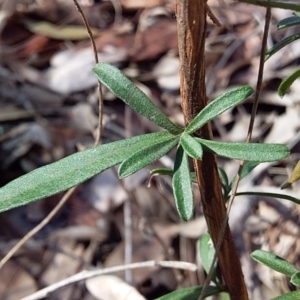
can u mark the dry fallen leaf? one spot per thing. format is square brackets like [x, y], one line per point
[111, 287]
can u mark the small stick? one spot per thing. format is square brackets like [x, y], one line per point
[93, 273]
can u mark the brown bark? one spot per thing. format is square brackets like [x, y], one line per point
[191, 20]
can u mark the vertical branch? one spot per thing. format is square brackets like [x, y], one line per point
[191, 20]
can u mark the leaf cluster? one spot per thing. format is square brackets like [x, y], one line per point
[137, 152]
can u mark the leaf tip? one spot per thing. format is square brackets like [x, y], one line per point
[285, 185]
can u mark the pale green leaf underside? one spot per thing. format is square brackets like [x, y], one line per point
[191, 293]
[146, 156]
[182, 186]
[71, 171]
[247, 151]
[207, 251]
[191, 146]
[121, 86]
[229, 99]
[274, 262]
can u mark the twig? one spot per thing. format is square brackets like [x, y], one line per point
[100, 94]
[37, 228]
[89, 274]
[249, 135]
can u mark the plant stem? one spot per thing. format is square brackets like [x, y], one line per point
[191, 20]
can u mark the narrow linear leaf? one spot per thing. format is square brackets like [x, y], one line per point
[281, 44]
[70, 171]
[288, 22]
[229, 99]
[247, 151]
[122, 87]
[182, 186]
[191, 146]
[295, 295]
[273, 195]
[285, 4]
[223, 177]
[169, 172]
[146, 156]
[295, 279]
[274, 262]
[191, 293]
[286, 83]
[162, 171]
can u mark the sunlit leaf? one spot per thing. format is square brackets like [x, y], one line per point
[145, 156]
[191, 293]
[229, 99]
[287, 22]
[191, 146]
[71, 171]
[247, 151]
[286, 83]
[274, 262]
[122, 87]
[294, 176]
[182, 185]
[281, 44]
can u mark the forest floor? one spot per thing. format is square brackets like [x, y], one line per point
[49, 109]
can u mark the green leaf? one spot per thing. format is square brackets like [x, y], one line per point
[191, 146]
[289, 296]
[182, 185]
[274, 262]
[295, 279]
[223, 177]
[281, 44]
[72, 170]
[246, 151]
[286, 83]
[287, 22]
[122, 87]
[191, 293]
[207, 251]
[247, 168]
[274, 195]
[229, 99]
[146, 156]
[285, 4]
